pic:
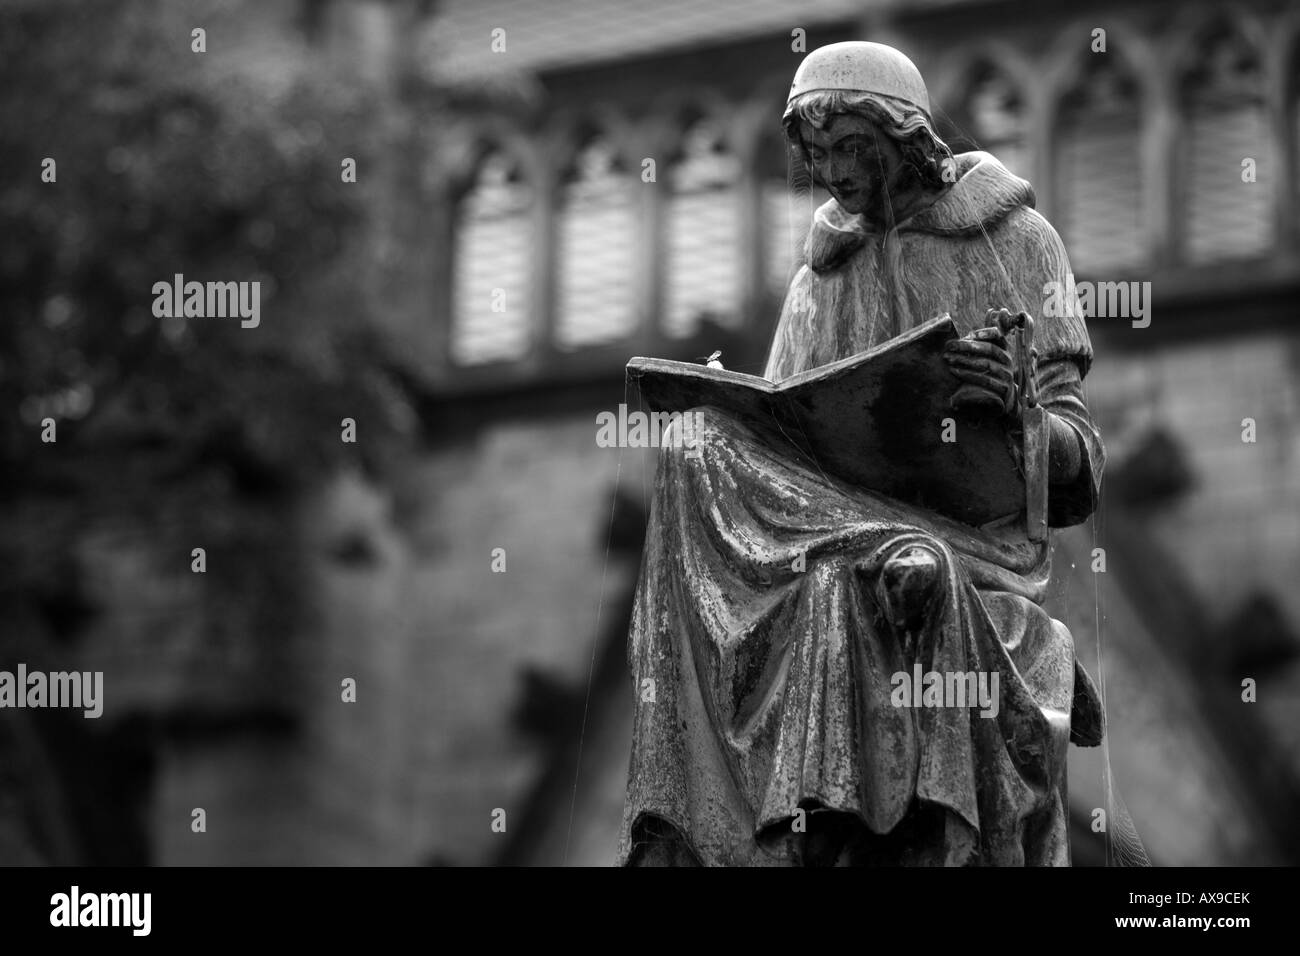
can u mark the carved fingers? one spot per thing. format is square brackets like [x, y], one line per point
[982, 364]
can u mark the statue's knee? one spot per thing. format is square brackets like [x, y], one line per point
[909, 584]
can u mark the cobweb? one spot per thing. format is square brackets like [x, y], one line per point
[802, 205]
[1124, 847]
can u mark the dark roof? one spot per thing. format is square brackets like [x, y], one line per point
[548, 36]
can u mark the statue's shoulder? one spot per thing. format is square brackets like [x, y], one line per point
[1030, 233]
[989, 183]
[989, 197]
[983, 196]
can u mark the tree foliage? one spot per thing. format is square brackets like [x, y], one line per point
[221, 166]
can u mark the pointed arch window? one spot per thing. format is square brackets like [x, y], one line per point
[596, 232]
[1223, 101]
[492, 287]
[1098, 171]
[702, 245]
[995, 108]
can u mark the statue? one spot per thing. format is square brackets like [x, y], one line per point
[778, 607]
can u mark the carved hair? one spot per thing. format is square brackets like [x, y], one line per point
[901, 121]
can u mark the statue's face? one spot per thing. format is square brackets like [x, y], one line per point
[857, 163]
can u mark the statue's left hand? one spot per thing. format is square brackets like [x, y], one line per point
[982, 363]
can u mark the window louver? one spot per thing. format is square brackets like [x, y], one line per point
[703, 243]
[493, 259]
[596, 228]
[1226, 217]
[1098, 172]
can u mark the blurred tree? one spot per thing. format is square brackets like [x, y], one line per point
[219, 166]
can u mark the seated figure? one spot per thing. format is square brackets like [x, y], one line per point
[776, 603]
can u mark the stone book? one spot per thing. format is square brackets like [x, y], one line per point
[880, 420]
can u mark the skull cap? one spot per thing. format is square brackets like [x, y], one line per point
[863, 67]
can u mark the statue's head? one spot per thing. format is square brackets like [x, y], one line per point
[860, 115]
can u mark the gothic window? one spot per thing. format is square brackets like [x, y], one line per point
[996, 112]
[702, 244]
[597, 230]
[492, 291]
[1098, 170]
[1223, 103]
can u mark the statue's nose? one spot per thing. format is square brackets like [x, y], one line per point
[841, 173]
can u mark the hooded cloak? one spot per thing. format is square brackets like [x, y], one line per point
[774, 734]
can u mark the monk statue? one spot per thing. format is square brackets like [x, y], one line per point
[778, 605]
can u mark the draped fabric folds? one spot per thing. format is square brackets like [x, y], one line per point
[769, 728]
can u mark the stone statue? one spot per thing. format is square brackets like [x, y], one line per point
[784, 619]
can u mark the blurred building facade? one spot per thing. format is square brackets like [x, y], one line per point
[607, 179]
[1134, 124]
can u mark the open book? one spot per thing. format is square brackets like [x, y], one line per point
[877, 420]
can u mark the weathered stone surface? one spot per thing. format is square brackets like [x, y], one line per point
[784, 616]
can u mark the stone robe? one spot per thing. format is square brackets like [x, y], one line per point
[770, 734]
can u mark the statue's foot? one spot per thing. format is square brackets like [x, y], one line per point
[908, 585]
